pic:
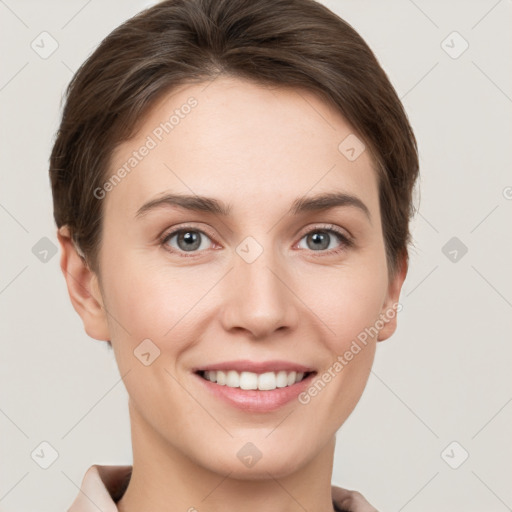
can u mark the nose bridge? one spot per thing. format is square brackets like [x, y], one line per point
[260, 300]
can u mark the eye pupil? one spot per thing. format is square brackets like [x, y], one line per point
[191, 238]
[319, 239]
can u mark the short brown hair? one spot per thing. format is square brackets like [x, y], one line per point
[296, 43]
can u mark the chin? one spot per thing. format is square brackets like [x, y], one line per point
[245, 461]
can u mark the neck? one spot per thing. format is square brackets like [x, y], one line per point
[165, 479]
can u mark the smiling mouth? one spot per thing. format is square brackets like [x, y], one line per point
[267, 381]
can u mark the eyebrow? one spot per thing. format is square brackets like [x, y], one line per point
[319, 202]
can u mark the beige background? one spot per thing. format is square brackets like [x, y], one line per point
[445, 374]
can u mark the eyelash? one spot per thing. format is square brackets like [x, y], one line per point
[346, 242]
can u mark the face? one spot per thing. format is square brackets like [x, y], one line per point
[266, 281]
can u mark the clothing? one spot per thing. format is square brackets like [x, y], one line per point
[103, 486]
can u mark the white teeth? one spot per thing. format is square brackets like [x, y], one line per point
[246, 380]
[232, 379]
[249, 380]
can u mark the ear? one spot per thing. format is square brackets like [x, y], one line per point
[390, 310]
[83, 288]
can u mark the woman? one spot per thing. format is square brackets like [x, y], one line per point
[232, 184]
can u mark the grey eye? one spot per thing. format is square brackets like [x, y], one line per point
[186, 239]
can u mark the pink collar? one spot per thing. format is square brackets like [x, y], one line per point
[102, 483]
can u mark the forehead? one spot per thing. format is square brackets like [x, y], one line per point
[242, 141]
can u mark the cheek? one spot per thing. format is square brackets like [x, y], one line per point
[347, 301]
[151, 301]
[350, 306]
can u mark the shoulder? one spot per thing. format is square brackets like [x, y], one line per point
[101, 485]
[350, 501]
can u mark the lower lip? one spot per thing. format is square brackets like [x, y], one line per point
[253, 400]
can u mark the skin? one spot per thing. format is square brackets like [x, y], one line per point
[258, 148]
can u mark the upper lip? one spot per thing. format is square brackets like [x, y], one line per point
[256, 367]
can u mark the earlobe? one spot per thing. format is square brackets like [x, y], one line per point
[83, 289]
[390, 309]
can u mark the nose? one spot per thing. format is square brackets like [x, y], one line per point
[259, 297]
